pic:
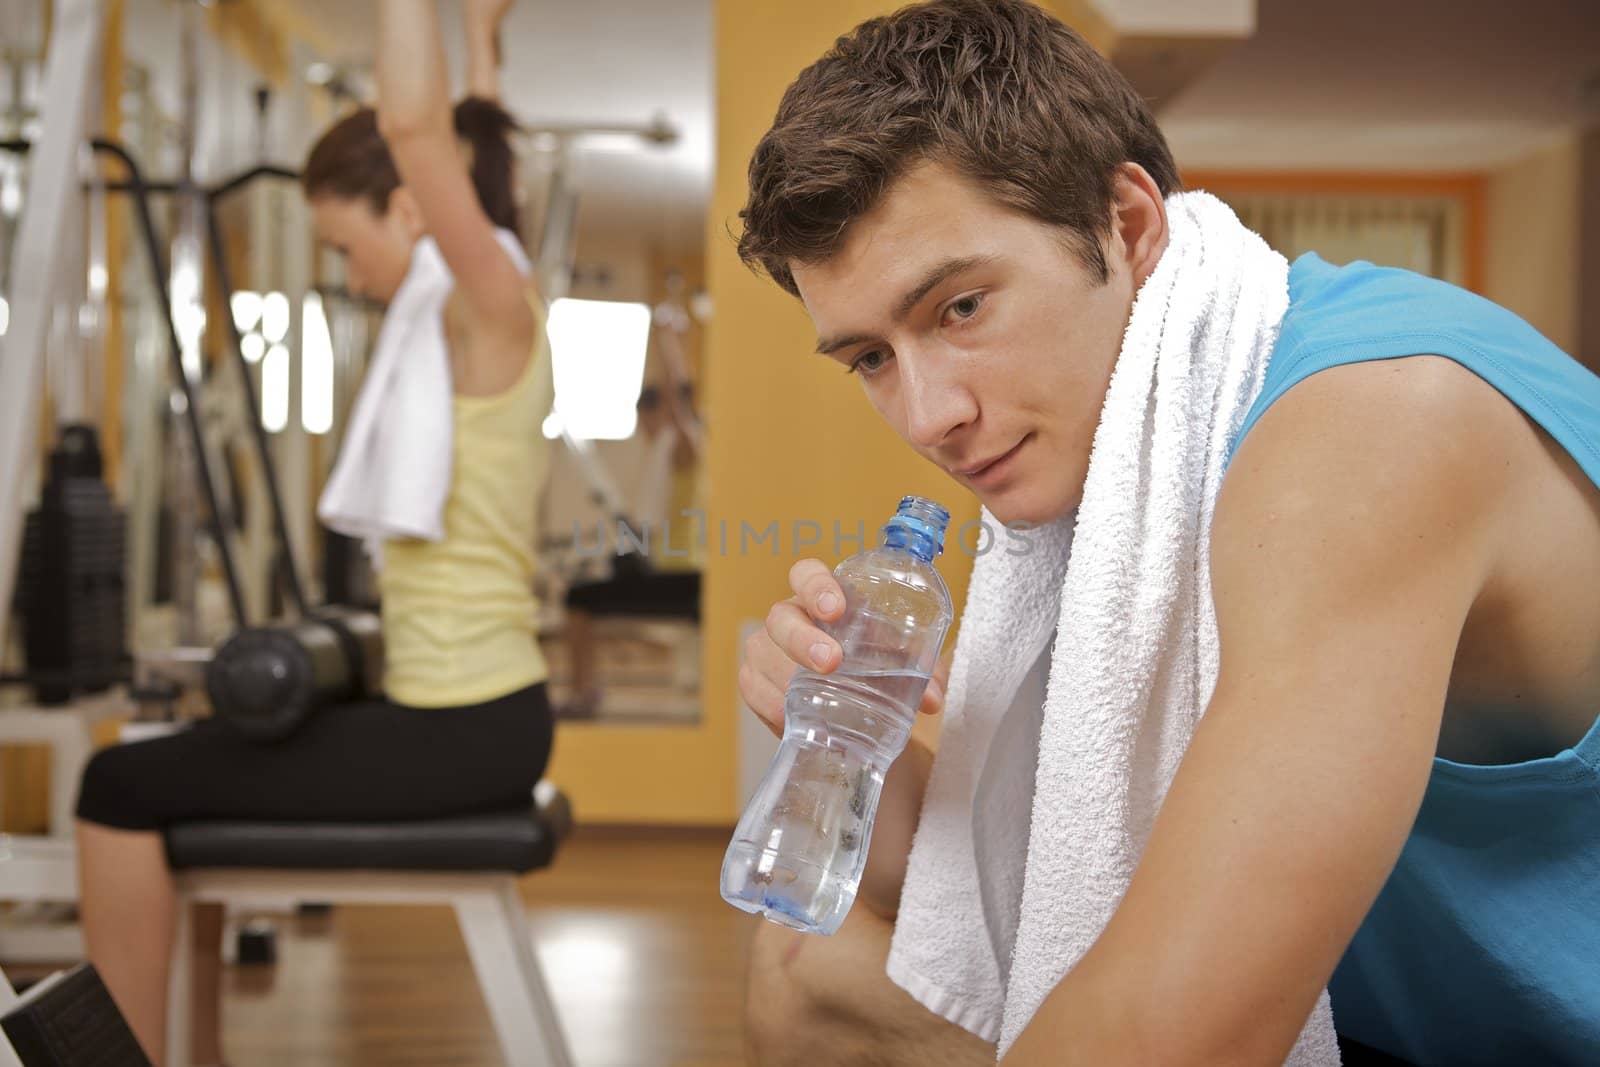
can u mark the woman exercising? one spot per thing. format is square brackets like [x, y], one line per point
[466, 725]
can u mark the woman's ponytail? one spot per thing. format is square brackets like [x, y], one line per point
[487, 128]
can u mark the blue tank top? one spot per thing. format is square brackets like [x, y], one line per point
[1484, 945]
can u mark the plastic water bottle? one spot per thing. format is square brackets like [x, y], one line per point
[800, 847]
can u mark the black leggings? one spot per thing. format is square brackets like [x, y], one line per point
[368, 762]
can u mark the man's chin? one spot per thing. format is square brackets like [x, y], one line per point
[1017, 506]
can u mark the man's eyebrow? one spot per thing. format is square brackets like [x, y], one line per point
[939, 273]
[828, 346]
[948, 269]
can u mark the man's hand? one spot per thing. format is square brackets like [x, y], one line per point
[792, 638]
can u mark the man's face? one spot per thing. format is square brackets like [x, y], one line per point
[981, 337]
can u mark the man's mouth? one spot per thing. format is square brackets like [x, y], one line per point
[994, 467]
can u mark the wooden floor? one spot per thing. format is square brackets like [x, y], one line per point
[644, 959]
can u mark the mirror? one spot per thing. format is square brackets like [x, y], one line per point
[615, 101]
[614, 158]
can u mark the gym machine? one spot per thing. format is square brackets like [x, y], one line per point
[44, 869]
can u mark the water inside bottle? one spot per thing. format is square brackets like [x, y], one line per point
[878, 707]
[800, 848]
[801, 865]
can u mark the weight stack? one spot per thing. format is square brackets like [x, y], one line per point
[71, 586]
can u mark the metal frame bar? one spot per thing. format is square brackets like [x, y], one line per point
[140, 190]
[158, 271]
[289, 572]
[289, 569]
[66, 94]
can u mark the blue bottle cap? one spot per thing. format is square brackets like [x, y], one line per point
[924, 521]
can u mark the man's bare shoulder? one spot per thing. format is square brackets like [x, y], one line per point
[1419, 439]
[1364, 478]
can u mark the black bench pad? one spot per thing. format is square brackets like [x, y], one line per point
[517, 840]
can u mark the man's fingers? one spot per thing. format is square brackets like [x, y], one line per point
[799, 638]
[762, 696]
[769, 660]
[817, 589]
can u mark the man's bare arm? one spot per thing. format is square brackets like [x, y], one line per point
[1355, 530]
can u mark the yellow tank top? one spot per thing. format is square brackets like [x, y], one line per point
[459, 616]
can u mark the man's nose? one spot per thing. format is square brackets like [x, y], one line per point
[937, 399]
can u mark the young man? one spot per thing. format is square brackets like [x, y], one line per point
[1393, 791]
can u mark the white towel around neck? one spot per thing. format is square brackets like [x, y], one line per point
[392, 477]
[1123, 584]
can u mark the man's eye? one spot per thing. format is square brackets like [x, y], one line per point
[966, 307]
[868, 362]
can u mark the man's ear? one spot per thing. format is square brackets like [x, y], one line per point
[1138, 221]
[404, 210]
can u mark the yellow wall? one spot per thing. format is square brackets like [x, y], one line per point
[1532, 254]
[791, 438]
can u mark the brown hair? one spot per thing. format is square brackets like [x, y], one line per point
[352, 161]
[1007, 94]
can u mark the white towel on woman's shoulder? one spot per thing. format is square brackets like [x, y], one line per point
[392, 477]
